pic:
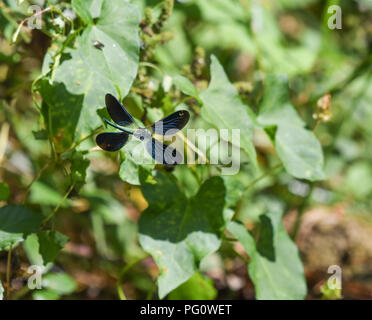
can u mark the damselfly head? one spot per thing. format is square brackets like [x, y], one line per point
[142, 134]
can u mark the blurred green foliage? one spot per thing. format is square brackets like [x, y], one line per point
[298, 90]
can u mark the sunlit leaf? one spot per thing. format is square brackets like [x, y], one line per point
[198, 287]
[46, 195]
[45, 294]
[275, 266]
[300, 152]
[223, 108]
[43, 247]
[87, 9]
[61, 283]
[297, 147]
[186, 86]
[90, 72]
[276, 107]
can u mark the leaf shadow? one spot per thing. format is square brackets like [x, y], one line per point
[61, 110]
[265, 244]
[171, 216]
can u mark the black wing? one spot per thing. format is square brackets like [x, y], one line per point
[117, 111]
[162, 153]
[172, 123]
[112, 141]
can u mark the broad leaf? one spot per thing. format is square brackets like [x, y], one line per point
[223, 108]
[275, 266]
[16, 222]
[87, 9]
[62, 111]
[136, 159]
[198, 287]
[91, 72]
[186, 86]
[45, 294]
[43, 194]
[43, 247]
[300, 152]
[129, 171]
[276, 107]
[297, 147]
[179, 232]
[62, 283]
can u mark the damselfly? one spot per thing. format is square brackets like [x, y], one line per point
[162, 153]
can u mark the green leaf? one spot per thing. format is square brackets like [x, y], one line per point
[87, 9]
[186, 86]
[45, 294]
[16, 222]
[276, 107]
[128, 171]
[221, 10]
[198, 287]
[275, 55]
[61, 283]
[291, 4]
[358, 179]
[62, 111]
[111, 210]
[40, 135]
[43, 194]
[79, 166]
[223, 108]
[179, 232]
[1, 291]
[297, 147]
[275, 266]
[31, 246]
[90, 73]
[300, 152]
[43, 247]
[4, 191]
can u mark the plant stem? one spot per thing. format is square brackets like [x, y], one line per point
[255, 181]
[82, 140]
[151, 65]
[120, 290]
[8, 273]
[36, 178]
[265, 174]
[59, 205]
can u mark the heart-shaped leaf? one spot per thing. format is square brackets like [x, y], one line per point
[90, 72]
[179, 232]
[275, 266]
